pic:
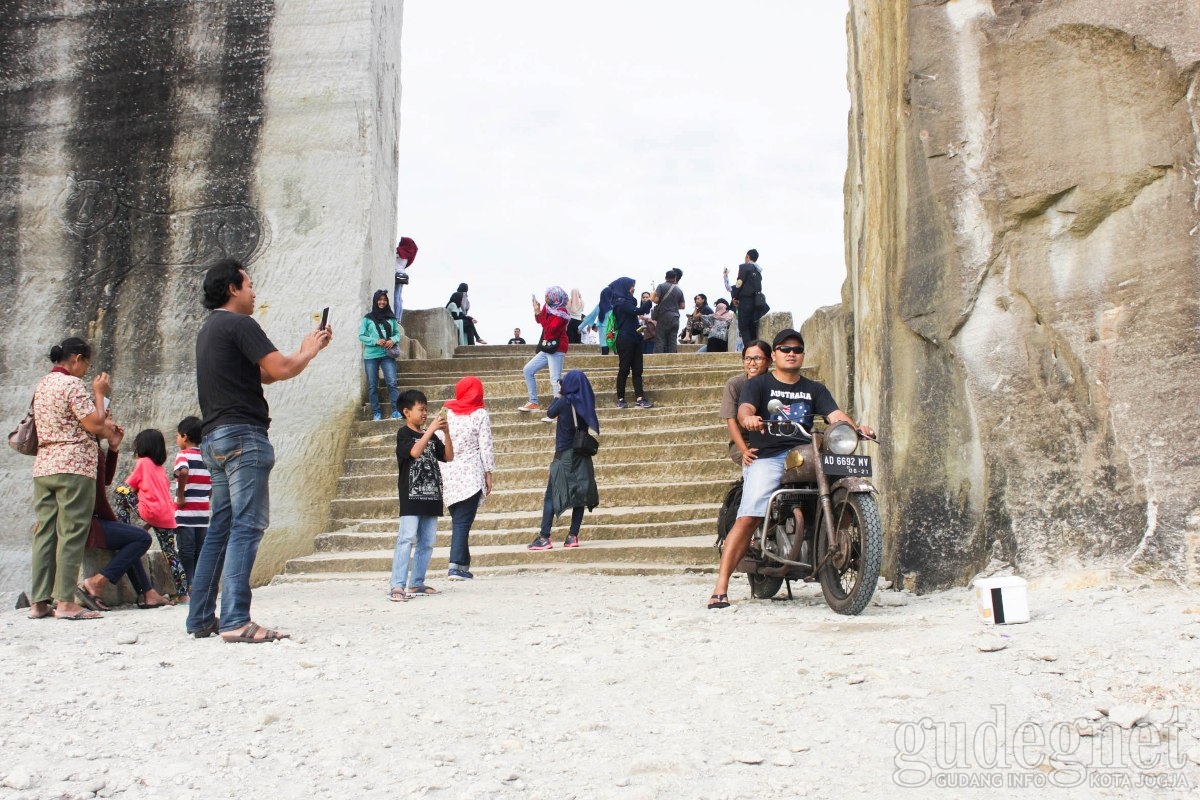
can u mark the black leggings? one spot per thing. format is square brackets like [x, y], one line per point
[629, 355]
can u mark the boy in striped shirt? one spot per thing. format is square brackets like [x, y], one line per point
[192, 493]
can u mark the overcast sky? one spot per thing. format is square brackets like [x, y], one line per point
[545, 142]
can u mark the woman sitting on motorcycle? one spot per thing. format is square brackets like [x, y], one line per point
[756, 356]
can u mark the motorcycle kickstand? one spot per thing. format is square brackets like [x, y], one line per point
[789, 588]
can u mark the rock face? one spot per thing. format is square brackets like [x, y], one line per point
[139, 142]
[1021, 231]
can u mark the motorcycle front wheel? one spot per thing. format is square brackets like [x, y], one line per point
[764, 587]
[849, 577]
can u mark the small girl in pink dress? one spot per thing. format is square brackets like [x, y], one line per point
[155, 505]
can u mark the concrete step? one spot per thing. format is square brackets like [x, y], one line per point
[716, 436]
[478, 351]
[696, 551]
[529, 519]
[618, 421]
[382, 577]
[506, 383]
[712, 469]
[633, 454]
[350, 541]
[585, 361]
[628, 494]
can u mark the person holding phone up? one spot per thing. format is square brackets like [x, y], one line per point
[552, 347]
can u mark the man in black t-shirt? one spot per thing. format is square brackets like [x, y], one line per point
[745, 297]
[516, 339]
[234, 358]
[802, 400]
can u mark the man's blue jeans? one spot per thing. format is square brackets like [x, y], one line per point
[388, 365]
[414, 545]
[239, 460]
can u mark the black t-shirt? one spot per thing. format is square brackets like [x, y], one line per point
[228, 382]
[419, 479]
[751, 280]
[517, 340]
[801, 400]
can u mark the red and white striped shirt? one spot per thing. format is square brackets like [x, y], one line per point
[196, 492]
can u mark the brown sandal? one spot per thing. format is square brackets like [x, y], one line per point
[249, 635]
[718, 601]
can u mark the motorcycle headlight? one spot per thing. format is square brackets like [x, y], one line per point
[841, 439]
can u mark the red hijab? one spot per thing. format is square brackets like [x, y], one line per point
[468, 396]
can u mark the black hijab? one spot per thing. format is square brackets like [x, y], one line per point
[380, 315]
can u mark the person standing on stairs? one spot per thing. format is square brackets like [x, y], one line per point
[572, 482]
[629, 341]
[379, 331]
[552, 347]
[466, 480]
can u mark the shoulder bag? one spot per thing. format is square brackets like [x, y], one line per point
[24, 438]
[393, 350]
[545, 345]
[584, 443]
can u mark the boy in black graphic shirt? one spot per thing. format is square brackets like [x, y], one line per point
[802, 400]
[420, 483]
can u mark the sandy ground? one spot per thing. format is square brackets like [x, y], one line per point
[560, 686]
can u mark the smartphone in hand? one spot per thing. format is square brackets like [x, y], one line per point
[324, 318]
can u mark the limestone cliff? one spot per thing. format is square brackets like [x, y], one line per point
[1022, 246]
[139, 142]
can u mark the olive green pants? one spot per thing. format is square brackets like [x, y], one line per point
[63, 504]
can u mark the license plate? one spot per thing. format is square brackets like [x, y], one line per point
[858, 466]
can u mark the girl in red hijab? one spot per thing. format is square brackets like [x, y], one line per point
[468, 478]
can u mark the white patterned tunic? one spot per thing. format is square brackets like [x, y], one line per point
[473, 455]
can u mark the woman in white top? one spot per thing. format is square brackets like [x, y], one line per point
[468, 478]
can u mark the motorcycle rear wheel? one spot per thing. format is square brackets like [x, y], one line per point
[848, 581]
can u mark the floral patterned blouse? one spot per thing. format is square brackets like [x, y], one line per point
[473, 455]
[64, 446]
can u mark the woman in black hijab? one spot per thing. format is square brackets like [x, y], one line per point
[378, 331]
[458, 307]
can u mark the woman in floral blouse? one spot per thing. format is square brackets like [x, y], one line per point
[64, 478]
[468, 478]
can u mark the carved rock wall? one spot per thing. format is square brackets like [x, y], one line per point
[1022, 246]
[139, 142]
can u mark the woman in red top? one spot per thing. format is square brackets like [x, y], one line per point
[553, 318]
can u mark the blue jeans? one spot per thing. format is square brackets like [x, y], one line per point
[398, 300]
[759, 481]
[539, 362]
[190, 540]
[548, 515]
[416, 534]
[130, 543]
[462, 514]
[239, 460]
[388, 365]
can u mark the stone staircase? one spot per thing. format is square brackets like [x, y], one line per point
[661, 473]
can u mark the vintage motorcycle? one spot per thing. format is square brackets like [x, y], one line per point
[822, 522]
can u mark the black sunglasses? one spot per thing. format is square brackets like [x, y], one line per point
[790, 348]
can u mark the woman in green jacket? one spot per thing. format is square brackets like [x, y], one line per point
[378, 332]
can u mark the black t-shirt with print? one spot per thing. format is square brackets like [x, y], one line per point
[228, 349]
[419, 479]
[801, 400]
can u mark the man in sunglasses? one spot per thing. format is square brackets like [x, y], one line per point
[801, 399]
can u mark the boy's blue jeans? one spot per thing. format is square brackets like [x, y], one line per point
[414, 545]
[239, 460]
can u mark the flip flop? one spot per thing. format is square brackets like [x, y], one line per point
[49, 613]
[141, 603]
[83, 614]
[208, 630]
[90, 600]
[248, 635]
[423, 591]
[718, 601]
[397, 595]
